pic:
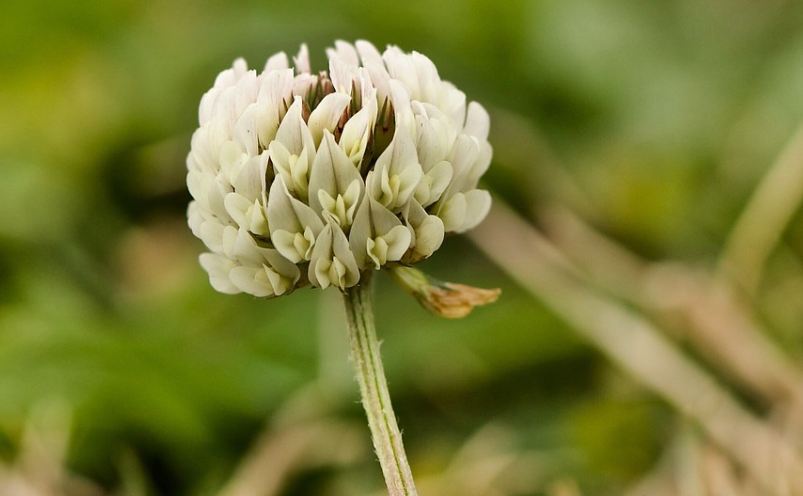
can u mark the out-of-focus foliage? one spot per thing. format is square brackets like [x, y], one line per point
[655, 119]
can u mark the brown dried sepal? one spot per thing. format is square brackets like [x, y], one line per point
[446, 299]
[455, 301]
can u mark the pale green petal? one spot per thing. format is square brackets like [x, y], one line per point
[361, 231]
[294, 169]
[427, 231]
[280, 157]
[290, 216]
[320, 260]
[335, 183]
[396, 174]
[332, 262]
[372, 224]
[377, 252]
[342, 252]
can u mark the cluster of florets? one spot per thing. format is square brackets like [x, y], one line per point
[311, 179]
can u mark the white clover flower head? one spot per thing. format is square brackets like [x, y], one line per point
[304, 179]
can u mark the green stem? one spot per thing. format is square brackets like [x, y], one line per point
[374, 389]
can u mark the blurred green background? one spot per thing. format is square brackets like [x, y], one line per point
[658, 117]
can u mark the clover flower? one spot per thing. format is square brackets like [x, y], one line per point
[312, 179]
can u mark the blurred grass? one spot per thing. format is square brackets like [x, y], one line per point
[665, 115]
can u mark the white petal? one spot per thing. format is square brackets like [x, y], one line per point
[211, 233]
[252, 280]
[400, 98]
[398, 240]
[218, 267]
[277, 62]
[276, 87]
[327, 115]
[293, 132]
[341, 73]
[368, 53]
[433, 184]
[347, 52]
[428, 80]
[249, 182]
[480, 166]
[301, 60]
[478, 204]
[477, 121]
[453, 212]
[237, 205]
[400, 66]
[195, 218]
[245, 130]
[303, 84]
[285, 243]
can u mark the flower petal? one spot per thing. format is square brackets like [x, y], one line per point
[334, 176]
[301, 60]
[218, 267]
[478, 204]
[277, 62]
[327, 115]
[477, 121]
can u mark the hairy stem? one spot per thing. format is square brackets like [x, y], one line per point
[374, 389]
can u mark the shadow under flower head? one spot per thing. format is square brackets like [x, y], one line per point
[302, 179]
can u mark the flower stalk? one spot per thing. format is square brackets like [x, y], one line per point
[367, 362]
